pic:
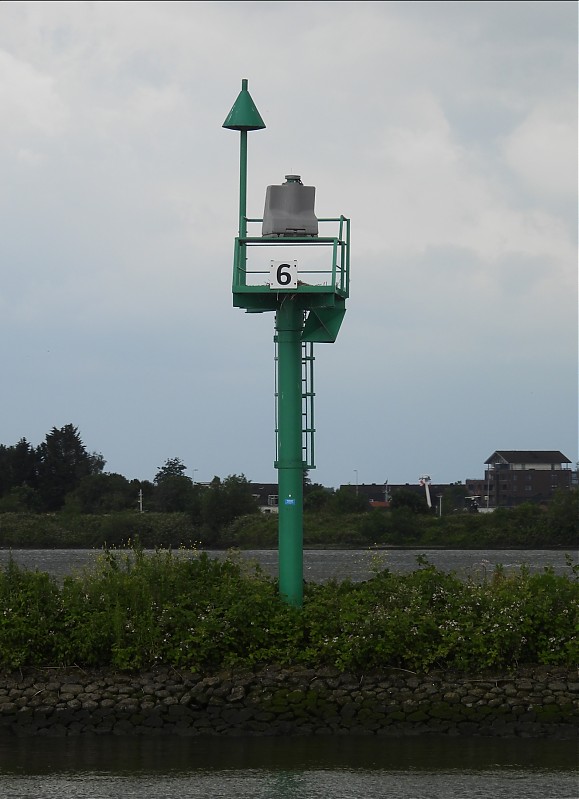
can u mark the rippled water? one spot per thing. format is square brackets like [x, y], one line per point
[321, 565]
[294, 768]
[305, 785]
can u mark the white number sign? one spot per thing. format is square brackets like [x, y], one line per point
[283, 275]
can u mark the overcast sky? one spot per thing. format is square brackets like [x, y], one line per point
[446, 131]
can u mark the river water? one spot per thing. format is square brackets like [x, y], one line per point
[344, 767]
[287, 768]
[325, 564]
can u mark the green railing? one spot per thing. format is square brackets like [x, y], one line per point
[332, 278]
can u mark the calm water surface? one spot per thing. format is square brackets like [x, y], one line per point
[321, 565]
[291, 768]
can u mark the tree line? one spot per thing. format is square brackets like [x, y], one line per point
[40, 478]
[58, 494]
[60, 475]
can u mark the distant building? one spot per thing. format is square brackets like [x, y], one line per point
[511, 478]
[477, 490]
[377, 494]
[380, 494]
[516, 476]
[266, 496]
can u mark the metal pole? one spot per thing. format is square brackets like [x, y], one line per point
[289, 322]
[243, 199]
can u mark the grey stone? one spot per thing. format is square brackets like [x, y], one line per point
[72, 688]
[153, 720]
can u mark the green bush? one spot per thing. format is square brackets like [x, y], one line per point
[63, 530]
[30, 605]
[183, 609]
[256, 531]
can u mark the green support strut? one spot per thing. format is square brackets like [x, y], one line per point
[289, 322]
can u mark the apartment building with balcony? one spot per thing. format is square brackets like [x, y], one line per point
[516, 476]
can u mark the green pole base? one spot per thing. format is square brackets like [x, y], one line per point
[289, 324]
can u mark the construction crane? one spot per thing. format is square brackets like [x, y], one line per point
[425, 481]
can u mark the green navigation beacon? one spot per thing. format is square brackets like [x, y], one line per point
[300, 269]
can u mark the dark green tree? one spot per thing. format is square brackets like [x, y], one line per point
[173, 467]
[562, 515]
[224, 501]
[238, 496]
[20, 499]
[318, 499]
[213, 514]
[63, 461]
[453, 498]
[102, 493]
[346, 500]
[17, 467]
[411, 500]
[174, 491]
[308, 486]
[175, 494]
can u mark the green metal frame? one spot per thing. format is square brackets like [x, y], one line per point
[303, 315]
[256, 297]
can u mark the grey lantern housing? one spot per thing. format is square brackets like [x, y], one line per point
[289, 209]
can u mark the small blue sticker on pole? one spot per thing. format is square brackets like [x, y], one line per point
[289, 501]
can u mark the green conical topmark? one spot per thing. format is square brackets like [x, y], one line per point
[244, 115]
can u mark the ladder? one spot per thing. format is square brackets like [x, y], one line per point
[308, 429]
[308, 394]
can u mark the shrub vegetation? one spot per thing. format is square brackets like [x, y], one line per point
[135, 610]
[527, 526]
